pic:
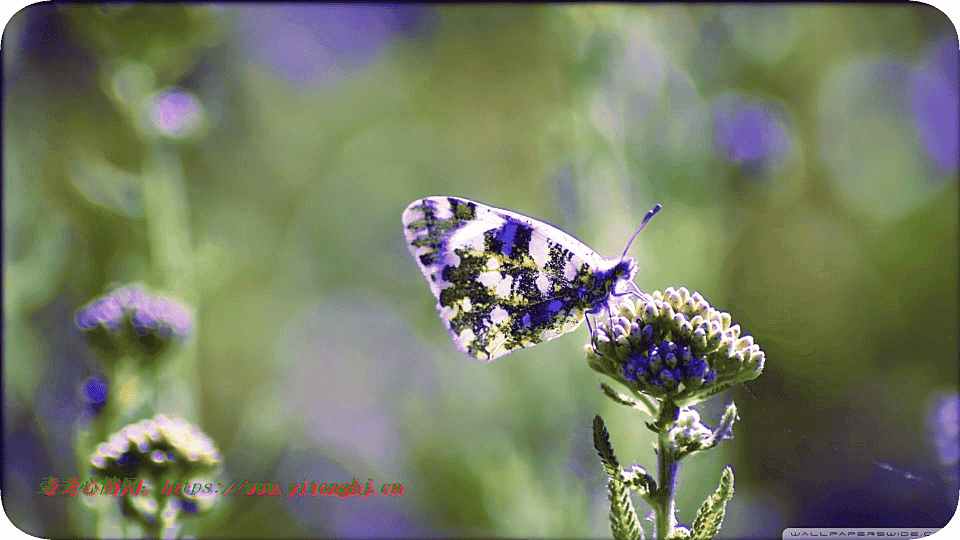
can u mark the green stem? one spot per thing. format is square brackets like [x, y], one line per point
[171, 253]
[665, 501]
[130, 397]
[137, 391]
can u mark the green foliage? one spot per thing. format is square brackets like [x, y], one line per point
[710, 516]
[164, 37]
[623, 517]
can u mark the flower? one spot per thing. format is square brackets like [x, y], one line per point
[673, 345]
[934, 104]
[316, 45]
[687, 434]
[133, 316]
[687, 431]
[175, 113]
[750, 134]
[162, 453]
[159, 448]
[95, 392]
[101, 322]
[943, 423]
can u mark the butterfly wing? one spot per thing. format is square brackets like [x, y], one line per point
[502, 280]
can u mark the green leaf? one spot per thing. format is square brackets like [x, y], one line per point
[642, 404]
[601, 441]
[710, 515]
[623, 518]
[104, 184]
[638, 479]
[622, 399]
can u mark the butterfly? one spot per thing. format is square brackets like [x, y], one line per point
[504, 281]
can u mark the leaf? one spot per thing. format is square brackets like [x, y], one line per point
[622, 399]
[601, 441]
[710, 516]
[623, 518]
[638, 479]
[104, 184]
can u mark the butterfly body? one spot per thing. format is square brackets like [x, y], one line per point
[504, 281]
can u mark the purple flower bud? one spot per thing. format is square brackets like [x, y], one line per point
[750, 134]
[175, 112]
[95, 390]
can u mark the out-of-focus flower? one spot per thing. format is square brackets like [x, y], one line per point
[133, 316]
[936, 104]
[157, 448]
[174, 112]
[162, 453]
[95, 392]
[944, 426]
[752, 134]
[316, 44]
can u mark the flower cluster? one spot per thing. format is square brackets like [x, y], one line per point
[157, 448]
[131, 315]
[689, 435]
[159, 451]
[673, 345]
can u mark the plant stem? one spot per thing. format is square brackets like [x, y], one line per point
[665, 507]
[171, 253]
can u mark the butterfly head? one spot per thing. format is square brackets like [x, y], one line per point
[626, 268]
[606, 280]
[623, 271]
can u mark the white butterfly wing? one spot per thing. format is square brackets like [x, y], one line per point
[502, 280]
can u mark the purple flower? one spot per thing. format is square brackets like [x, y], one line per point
[944, 426]
[95, 391]
[311, 44]
[106, 311]
[750, 134]
[175, 112]
[934, 101]
[691, 349]
[154, 319]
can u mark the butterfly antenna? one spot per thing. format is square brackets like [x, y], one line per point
[646, 218]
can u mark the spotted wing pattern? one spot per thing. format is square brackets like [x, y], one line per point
[504, 281]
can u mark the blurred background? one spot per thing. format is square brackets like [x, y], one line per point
[254, 160]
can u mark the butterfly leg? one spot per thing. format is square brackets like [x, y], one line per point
[593, 337]
[635, 291]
